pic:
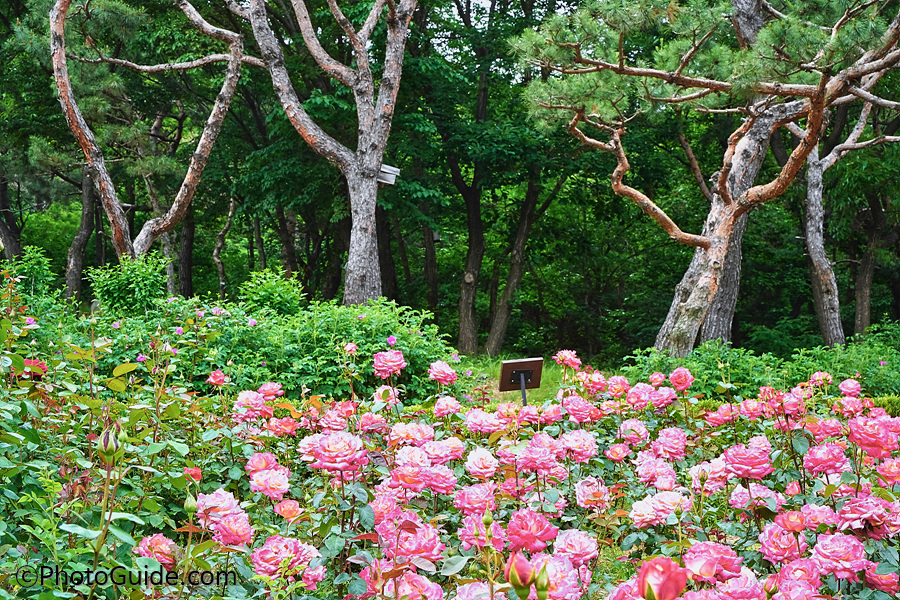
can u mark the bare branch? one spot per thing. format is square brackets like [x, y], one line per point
[182, 66]
[690, 53]
[236, 9]
[876, 100]
[771, 10]
[814, 119]
[332, 67]
[680, 99]
[273, 56]
[645, 203]
[366, 30]
[121, 239]
[695, 166]
[728, 160]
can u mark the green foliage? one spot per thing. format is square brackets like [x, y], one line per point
[872, 360]
[36, 279]
[131, 287]
[269, 290]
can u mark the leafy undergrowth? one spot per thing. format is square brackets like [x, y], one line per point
[142, 478]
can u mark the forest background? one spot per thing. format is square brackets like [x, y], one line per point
[495, 213]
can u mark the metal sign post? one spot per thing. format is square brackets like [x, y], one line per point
[524, 373]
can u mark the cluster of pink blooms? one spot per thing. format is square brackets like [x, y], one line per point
[517, 480]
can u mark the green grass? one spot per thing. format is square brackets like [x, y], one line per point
[486, 370]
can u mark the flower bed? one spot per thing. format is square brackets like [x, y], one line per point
[788, 495]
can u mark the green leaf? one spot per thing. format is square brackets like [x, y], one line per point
[80, 531]
[122, 535]
[124, 368]
[116, 385]
[453, 565]
[357, 586]
[366, 517]
[128, 517]
[800, 444]
[180, 448]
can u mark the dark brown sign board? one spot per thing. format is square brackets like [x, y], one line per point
[511, 372]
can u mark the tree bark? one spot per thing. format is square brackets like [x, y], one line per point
[719, 321]
[260, 247]
[75, 256]
[385, 257]
[186, 255]
[431, 282]
[500, 322]
[824, 284]
[220, 244]
[866, 272]
[84, 136]
[10, 231]
[468, 324]
[362, 279]
[288, 252]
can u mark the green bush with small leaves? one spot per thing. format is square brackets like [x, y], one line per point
[267, 289]
[130, 287]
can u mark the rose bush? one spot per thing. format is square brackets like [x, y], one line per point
[788, 493]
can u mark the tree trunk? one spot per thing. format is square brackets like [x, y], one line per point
[260, 247]
[866, 272]
[695, 293]
[431, 283]
[824, 284]
[220, 244]
[385, 258]
[99, 241]
[719, 321]
[75, 256]
[401, 247]
[362, 280]
[468, 325]
[186, 255]
[169, 254]
[500, 322]
[288, 253]
[10, 232]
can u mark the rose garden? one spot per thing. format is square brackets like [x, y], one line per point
[135, 447]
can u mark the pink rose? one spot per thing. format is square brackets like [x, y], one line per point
[577, 546]
[234, 530]
[350, 348]
[212, 508]
[850, 387]
[217, 378]
[710, 562]
[681, 379]
[529, 530]
[442, 373]
[289, 509]
[446, 405]
[159, 547]
[273, 484]
[840, 555]
[591, 492]
[389, 363]
[579, 444]
[663, 577]
[339, 451]
[657, 379]
[748, 462]
[780, 545]
[567, 358]
[475, 500]
[827, 458]
[481, 464]
[633, 431]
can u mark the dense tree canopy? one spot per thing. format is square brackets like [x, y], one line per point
[501, 222]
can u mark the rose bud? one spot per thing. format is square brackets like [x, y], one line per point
[542, 583]
[661, 579]
[190, 504]
[109, 447]
[520, 574]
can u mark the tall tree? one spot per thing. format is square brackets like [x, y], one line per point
[360, 167]
[705, 61]
[84, 135]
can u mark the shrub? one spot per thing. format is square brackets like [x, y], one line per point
[132, 286]
[267, 289]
